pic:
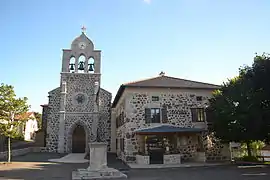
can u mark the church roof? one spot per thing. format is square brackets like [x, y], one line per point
[163, 81]
[83, 37]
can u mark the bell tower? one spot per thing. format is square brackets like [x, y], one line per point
[79, 86]
[81, 58]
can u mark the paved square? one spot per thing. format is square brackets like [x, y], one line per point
[35, 166]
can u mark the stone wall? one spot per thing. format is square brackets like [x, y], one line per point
[172, 159]
[188, 150]
[79, 114]
[142, 159]
[53, 120]
[104, 126]
[45, 111]
[178, 104]
[20, 152]
[120, 125]
[214, 149]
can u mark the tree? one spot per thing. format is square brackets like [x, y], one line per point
[240, 108]
[260, 73]
[10, 107]
[38, 117]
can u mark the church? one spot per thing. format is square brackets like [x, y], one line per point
[159, 120]
[78, 111]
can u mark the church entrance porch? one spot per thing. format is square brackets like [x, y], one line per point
[78, 140]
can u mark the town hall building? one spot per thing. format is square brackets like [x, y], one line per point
[160, 120]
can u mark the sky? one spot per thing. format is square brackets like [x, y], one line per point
[201, 40]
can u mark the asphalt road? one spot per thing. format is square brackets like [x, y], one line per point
[36, 167]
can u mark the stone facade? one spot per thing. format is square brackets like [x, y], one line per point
[130, 114]
[79, 101]
[142, 159]
[172, 159]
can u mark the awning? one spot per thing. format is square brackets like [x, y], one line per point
[168, 129]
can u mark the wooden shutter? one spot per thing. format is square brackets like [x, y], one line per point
[209, 117]
[147, 115]
[194, 115]
[164, 114]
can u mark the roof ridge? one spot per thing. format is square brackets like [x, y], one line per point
[161, 76]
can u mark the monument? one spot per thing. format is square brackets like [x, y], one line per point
[98, 168]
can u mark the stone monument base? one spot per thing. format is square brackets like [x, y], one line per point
[106, 173]
[98, 168]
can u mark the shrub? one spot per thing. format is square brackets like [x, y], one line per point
[249, 158]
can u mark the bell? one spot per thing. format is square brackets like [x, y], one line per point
[81, 65]
[72, 67]
[91, 67]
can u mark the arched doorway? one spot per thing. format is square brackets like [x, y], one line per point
[78, 140]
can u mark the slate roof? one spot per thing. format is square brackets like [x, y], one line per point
[163, 81]
[168, 129]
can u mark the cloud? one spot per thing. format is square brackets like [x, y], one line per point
[147, 1]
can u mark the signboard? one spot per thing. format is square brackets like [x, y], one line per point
[235, 145]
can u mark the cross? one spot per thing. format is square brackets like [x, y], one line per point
[83, 29]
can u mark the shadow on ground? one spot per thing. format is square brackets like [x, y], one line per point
[35, 166]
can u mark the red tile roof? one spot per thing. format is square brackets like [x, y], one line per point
[25, 115]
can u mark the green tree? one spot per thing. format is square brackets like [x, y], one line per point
[38, 117]
[10, 107]
[260, 73]
[240, 108]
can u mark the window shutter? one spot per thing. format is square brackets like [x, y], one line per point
[194, 115]
[147, 115]
[209, 117]
[164, 115]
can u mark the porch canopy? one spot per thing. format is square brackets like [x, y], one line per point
[168, 129]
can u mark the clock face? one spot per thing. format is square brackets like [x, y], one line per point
[82, 45]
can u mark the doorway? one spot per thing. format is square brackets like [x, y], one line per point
[78, 140]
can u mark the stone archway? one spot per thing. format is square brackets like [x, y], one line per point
[78, 140]
[78, 127]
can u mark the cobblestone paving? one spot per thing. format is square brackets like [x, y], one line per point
[35, 166]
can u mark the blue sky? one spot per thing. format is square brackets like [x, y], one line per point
[203, 40]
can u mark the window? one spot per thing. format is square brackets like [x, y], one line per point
[152, 115]
[198, 115]
[199, 98]
[120, 119]
[155, 115]
[155, 98]
[122, 144]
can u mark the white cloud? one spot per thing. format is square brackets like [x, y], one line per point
[147, 1]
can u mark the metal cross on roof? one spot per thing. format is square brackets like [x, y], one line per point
[83, 29]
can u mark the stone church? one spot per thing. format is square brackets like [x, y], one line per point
[78, 111]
